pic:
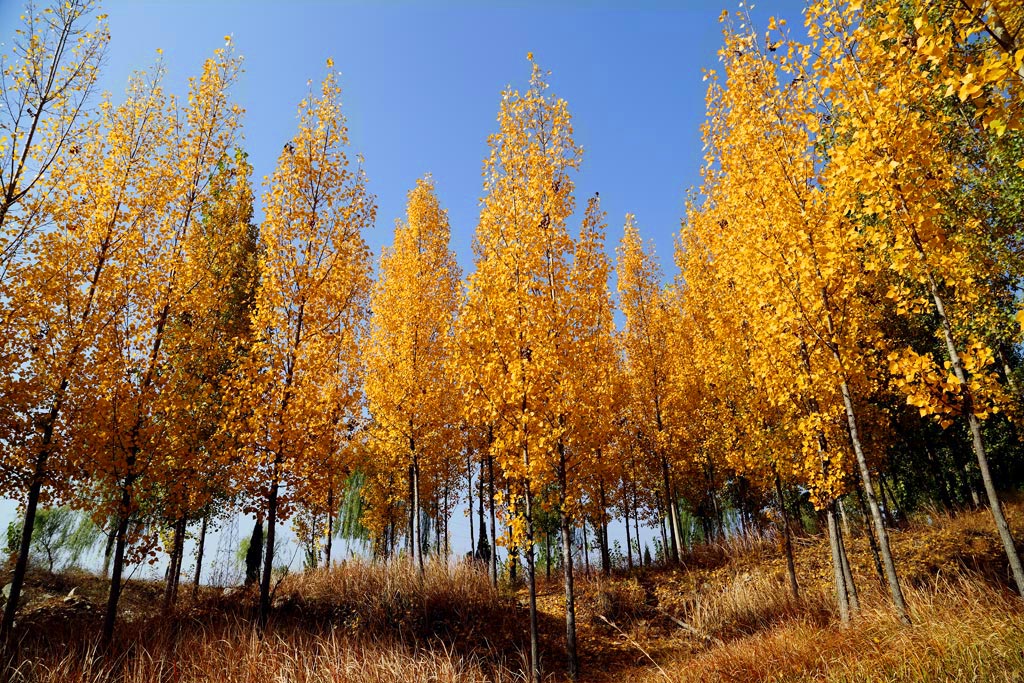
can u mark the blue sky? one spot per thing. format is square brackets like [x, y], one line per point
[422, 82]
[421, 85]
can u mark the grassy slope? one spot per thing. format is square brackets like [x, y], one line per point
[726, 615]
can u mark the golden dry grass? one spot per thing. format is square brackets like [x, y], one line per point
[726, 615]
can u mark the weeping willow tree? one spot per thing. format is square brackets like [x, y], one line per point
[350, 526]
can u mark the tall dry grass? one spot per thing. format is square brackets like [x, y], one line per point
[354, 622]
[964, 630]
[237, 653]
[727, 615]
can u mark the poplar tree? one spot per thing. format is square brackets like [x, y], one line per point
[310, 310]
[410, 392]
[47, 81]
[515, 313]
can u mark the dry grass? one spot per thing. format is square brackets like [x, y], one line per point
[356, 622]
[238, 654]
[727, 615]
[964, 631]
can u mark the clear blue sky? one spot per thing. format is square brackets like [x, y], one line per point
[421, 86]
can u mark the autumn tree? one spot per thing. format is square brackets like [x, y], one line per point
[516, 314]
[47, 81]
[133, 451]
[204, 345]
[644, 341]
[594, 376]
[892, 173]
[410, 392]
[310, 310]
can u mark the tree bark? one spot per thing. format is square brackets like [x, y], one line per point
[629, 543]
[174, 566]
[572, 660]
[483, 527]
[978, 443]
[123, 518]
[493, 529]
[531, 581]
[21, 566]
[869, 523]
[876, 516]
[843, 518]
[675, 552]
[636, 528]
[199, 556]
[469, 485]
[417, 528]
[606, 556]
[585, 550]
[837, 566]
[790, 564]
[851, 587]
[268, 555]
[664, 539]
[330, 526]
[108, 552]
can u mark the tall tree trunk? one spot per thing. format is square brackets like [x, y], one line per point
[664, 539]
[199, 556]
[254, 555]
[417, 525]
[869, 526]
[513, 549]
[572, 660]
[716, 508]
[837, 565]
[585, 550]
[887, 516]
[675, 552]
[883, 536]
[843, 518]
[790, 564]
[123, 518]
[606, 556]
[886, 489]
[447, 551]
[469, 485]
[174, 565]
[636, 528]
[531, 582]
[410, 537]
[1004, 361]
[493, 530]
[978, 443]
[268, 555]
[851, 587]
[108, 552]
[482, 542]
[21, 566]
[629, 543]
[330, 526]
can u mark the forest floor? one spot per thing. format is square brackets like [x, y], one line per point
[725, 614]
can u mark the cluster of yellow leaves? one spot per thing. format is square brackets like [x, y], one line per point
[410, 388]
[299, 391]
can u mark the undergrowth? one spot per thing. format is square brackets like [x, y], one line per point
[727, 614]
